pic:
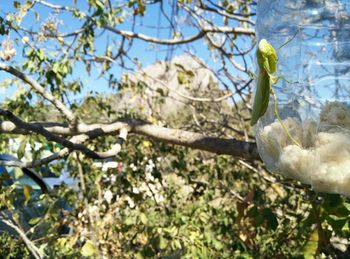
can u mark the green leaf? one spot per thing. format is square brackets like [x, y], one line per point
[311, 246]
[26, 192]
[218, 245]
[129, 221]
[160, 91]
[34, 221]
[346, 205]
[21, 148]
[163, 243]
[336, 222]
[143, 218]
[16, 4]
[176, 244]
[88, 249]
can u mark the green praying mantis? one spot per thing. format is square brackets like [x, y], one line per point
[267, 62]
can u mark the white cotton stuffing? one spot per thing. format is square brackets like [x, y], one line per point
[276, 138]
[323, 161]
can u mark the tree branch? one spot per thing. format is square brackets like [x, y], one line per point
[236, 148]
[115, 149]
[42, 91]
[48, 135]
[62, 153]
[233, 147]
[35, 251]
[203, 6]
[56, 7]
[201, 34]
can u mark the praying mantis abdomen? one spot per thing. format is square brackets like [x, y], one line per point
[262, 95]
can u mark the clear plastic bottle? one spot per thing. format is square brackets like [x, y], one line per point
[315, 105]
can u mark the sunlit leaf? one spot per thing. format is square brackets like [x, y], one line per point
[26, 192]
[34, 221]
[21, 148]
[88, 249]
[143, 218]
[311, 246]
[163, 243]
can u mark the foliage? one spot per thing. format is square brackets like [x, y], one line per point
[12, 247]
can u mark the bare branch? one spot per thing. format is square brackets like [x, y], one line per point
[201, 34]
[225, 13]
[53, 6]
[52, 35]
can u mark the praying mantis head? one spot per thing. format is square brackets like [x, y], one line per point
[267, 57]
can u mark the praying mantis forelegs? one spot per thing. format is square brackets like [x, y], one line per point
[272, 92]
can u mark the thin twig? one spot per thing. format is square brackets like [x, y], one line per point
[42, 91]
